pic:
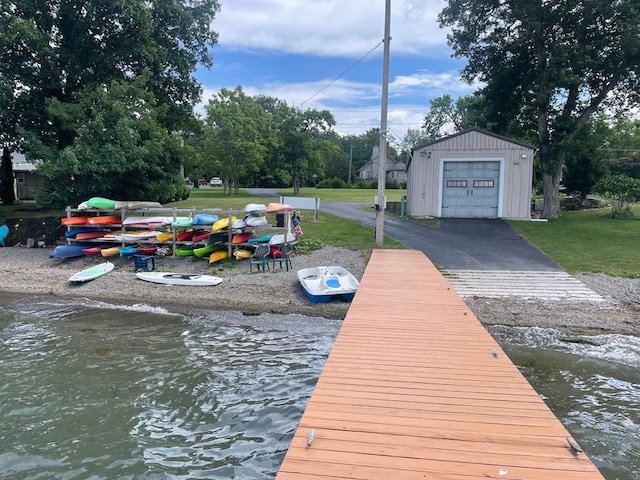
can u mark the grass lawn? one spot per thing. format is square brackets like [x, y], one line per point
[344, 194]
[588, 241]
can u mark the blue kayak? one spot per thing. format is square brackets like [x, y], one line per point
[69, 251]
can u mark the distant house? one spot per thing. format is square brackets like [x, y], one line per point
[394, 170]
[471, 174]
[28, 182]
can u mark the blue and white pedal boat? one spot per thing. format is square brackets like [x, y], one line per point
[321, 284]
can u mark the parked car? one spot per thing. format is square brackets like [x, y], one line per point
[215, 182]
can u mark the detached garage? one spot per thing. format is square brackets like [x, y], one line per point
[471, 174]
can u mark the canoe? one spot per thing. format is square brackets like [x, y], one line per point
[110, 252]
[279, 207]
[241, 237]
[179, 278]
[205, 219]
[321, 284]
[222, 223]
[217, 256]
[207, 250]
[104, 220]
[74, 221]
[91, 273]
[69, 251]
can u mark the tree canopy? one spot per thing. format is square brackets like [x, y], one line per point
[548, 67]
[55, 56]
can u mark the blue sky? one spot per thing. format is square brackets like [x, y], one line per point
[295, 50]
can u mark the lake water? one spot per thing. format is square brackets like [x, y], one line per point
[94, 391]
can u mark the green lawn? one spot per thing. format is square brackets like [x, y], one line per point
[344, 194]
[587, 241]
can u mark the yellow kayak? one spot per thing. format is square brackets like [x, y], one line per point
[241, 254]
[110, 252]
[217, 256]
[222, 223]
[164, 236]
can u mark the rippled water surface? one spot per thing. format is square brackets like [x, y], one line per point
[107, 393]
[592, 384]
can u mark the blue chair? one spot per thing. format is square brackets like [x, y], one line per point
[146, 263]
[260, 258]
[4, 232]
[283, 255]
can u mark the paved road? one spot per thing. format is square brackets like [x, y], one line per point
[457, 244]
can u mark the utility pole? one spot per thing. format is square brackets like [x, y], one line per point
[382, 150]
[350, 162]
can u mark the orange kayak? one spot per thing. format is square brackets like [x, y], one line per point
[103, 220]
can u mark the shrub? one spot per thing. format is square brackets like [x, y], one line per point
[621, 191]
[334, 182]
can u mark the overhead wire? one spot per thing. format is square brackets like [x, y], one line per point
[342, 74]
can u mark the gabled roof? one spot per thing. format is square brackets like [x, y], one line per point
[478, 130]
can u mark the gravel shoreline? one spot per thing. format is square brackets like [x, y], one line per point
[30, 272]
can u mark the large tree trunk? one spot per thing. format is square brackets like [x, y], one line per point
[296, 184]
[551, 191]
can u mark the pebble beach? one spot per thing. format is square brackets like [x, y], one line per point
[31, 272]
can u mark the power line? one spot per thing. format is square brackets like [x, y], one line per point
[342, 74]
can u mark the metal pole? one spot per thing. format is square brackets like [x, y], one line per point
[350, 162]
[382, 151]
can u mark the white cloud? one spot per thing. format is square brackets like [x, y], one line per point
[347, 28]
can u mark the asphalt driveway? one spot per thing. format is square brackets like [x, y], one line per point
[457, 244]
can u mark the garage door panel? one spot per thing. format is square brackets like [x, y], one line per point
[470, 189]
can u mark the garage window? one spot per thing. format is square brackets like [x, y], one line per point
[456, 184]
[483, 184]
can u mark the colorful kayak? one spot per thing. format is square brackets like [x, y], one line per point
[242, 254]
[239, 224]
[74, 221]
[179, 279]
[208, 250]
[184, 252]
[91, 273]
[146, 250]
[219, 237]
[128, 251]
[217, 256]
[256, 221]
[200, 235]
[104, 220]
[164, 237]
[279, 207]
[241, 237]
[136, 236]
[101, 203]
[110, 252]
[205, 219]
[69, 251]
[89, 235]
[185, 236]
[73, 233]
[223, 223]
[262, 239]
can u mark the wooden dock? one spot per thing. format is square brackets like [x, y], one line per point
[415, 387]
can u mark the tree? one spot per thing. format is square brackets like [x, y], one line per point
[584, 164]
[7, 193]
[53, 52]
[120, 148]
[548, 67]
[233, 138]
[621, 191]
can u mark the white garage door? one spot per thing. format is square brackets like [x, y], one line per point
[470, 189]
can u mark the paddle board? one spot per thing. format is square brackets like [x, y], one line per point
[179, 278]
[217, 256]
[91, 272]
